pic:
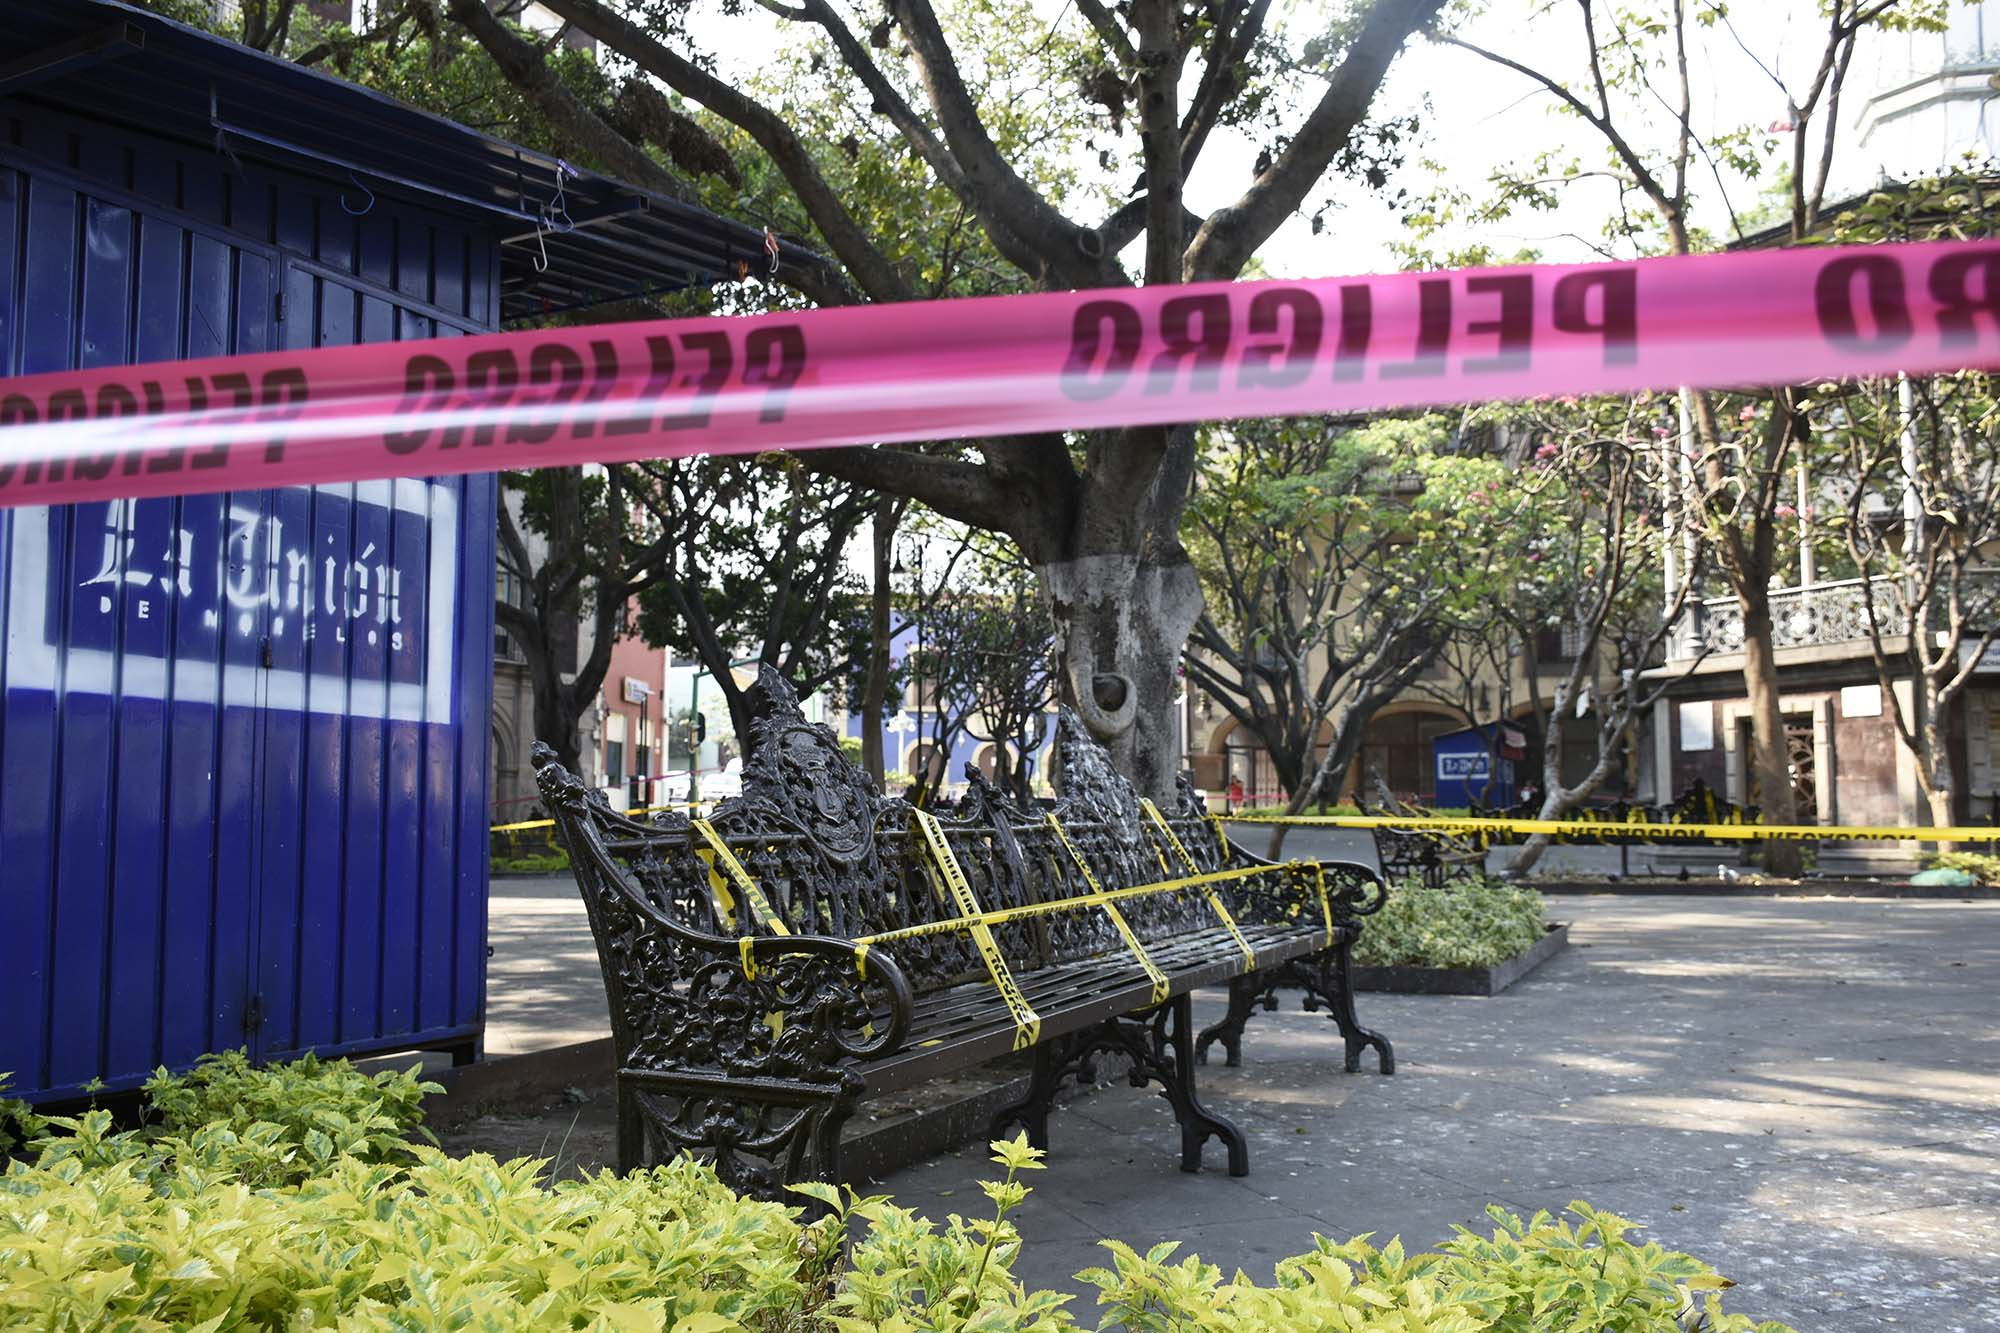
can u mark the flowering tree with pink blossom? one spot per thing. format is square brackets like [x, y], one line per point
[1576, 556]
[1336, 559]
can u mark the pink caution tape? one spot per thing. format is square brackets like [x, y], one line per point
[1002, 365]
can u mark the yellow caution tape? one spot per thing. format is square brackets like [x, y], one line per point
[1221, 834]
[1325, 906]
[1002, 915]
[1656, 832]
[718, 892]
[1214, 898]
[1146, 964]
[760, 906]
[1027, 1023]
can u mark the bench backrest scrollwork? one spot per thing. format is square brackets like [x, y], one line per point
[832, 856]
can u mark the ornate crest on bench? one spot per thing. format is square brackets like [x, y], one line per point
[1086, 779]
[793, 771]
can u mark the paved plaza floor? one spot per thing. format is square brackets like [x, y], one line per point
[1804, 1092]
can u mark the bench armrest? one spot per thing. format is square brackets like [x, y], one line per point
[1353, 889]
[785, 1006]
[781, 1006]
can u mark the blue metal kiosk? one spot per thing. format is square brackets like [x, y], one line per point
[243, 736]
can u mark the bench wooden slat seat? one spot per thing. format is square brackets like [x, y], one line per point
[808, 946]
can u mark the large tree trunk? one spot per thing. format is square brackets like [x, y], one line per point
[1124, 598]
[1770, 758]
[1121, 622]
[557, 711]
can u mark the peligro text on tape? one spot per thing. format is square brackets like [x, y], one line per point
[948, 873]
[1637, 829]
[1220, 908]
[989, 366]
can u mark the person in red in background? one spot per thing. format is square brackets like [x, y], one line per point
[1235, 793]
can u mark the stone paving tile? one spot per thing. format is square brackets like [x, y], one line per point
[1696, 1065]
[1803, 1092]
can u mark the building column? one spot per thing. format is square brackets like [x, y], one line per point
[1735, 781]
[1825, 761]
[1663, 751]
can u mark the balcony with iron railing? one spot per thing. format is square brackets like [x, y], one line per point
[1822, 615]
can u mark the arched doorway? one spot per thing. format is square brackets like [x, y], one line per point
[924, 755]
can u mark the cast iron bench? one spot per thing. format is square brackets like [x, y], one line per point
[806, 947]
[1435, 858]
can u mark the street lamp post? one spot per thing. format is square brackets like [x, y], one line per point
[694, 746]
[923, 757]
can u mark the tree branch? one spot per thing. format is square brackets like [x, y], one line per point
[1233, 234]
[523, 67]
[1226, 53]
[1106, 25]
[960, 490]
[1157, 22]
[877, 277]
[1642, 175]
[1069, 255]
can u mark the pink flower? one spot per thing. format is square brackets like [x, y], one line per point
[1567, 400]
[1747, 414]
[1546, 452]
[1660, 432]
[1786, 511]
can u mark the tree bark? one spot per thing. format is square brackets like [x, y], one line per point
[1940, 782]
[1770, 756]
[1117, 611]
[1942, 814]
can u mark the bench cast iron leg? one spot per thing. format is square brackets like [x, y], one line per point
[1326, 978]
[760, 1134]
[1173, 1050]
[632, 1148]
[1160, 1045]
[1243, 995]
[1339, 993]
[1032, 1111]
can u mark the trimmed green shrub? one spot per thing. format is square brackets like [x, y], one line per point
[531, 865]
[1984, 868]
[18, 1121]
[1468, 923]
[129, 1235]
[302, 1115]
[126, 1230]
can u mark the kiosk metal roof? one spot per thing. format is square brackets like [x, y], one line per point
[608, 240]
